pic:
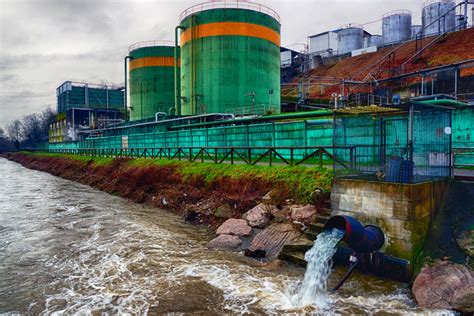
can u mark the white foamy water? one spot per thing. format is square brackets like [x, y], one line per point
[319, 258]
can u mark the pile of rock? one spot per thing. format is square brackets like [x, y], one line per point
[263, 230]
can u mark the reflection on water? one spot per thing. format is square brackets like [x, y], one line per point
[65, 247]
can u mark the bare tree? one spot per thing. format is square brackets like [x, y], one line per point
[31, 130]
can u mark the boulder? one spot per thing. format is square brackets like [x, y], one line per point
[303, 214]
[225, 242]
[234, 226]
[445, 285]
[258, 216]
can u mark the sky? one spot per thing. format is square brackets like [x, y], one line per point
[46, 42]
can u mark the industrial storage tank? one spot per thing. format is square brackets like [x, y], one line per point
[396, 26]
[432, 11]
[376, 40]
[415, 29]
[151, 73]
[349, 38]
[230, 59]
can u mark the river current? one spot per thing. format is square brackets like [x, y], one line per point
[68, 248]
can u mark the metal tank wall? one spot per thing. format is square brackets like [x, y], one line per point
[432, 11]
[151, 74]
[415, 29]
[349, 39]
[396, 26]
[376, 40]
[229, 57]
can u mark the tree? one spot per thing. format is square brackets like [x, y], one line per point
[5, 143]
[31, 130]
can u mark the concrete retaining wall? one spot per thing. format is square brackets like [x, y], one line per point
[403, 211]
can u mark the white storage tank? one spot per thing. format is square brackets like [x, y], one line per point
[396, 26]
[415, 29]
[376, 40]
[432, 11]
[349, 38]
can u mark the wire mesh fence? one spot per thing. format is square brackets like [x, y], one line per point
[407, 144]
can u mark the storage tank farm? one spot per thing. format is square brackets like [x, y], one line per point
[349, 38]
[432, 10]
[151, 75]
[396, 26]
[230, 59]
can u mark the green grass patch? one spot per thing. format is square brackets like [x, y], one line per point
[300, 180]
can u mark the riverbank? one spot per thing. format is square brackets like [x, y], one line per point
[205, 193]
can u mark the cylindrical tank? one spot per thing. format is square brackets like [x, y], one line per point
[376, 40]
[396, 26]
[349, 38]
[415, 29]
[432, 11]
[230, 59]
[151, 73]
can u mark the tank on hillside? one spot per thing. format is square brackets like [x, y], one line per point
[349, 38]
[230, 59]
[434, 10]
[415, 29]
[151, 73]
[376, 40]
[396, 26]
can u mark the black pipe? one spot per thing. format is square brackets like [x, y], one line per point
[345, 277]
[365, 239]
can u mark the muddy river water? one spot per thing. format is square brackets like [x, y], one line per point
[66, 247]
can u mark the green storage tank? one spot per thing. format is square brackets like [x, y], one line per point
[230, 59]
[151, 73]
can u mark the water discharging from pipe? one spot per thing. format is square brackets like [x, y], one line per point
[318, 269]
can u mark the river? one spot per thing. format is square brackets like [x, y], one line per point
[68, 248]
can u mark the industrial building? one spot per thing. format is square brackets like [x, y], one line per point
[225, 80]
[85, 106]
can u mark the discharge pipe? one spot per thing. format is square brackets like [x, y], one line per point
[364, 239]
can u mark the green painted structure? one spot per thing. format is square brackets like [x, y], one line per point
[230, 61]
[88, 95]
[151, 73]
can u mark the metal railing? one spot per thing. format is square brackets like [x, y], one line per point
[228, 4]
[307, 155]
[150, 44]
[463, 157]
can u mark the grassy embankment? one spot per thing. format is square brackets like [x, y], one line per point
[183, 185]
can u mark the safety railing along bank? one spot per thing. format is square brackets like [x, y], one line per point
[307, 155]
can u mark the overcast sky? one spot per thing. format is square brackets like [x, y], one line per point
[46, 42]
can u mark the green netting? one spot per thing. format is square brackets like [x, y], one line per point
[377, 146]
[366, 131]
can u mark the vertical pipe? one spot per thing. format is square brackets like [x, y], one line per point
[456, 82]
[177, 91]
[125, 91]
